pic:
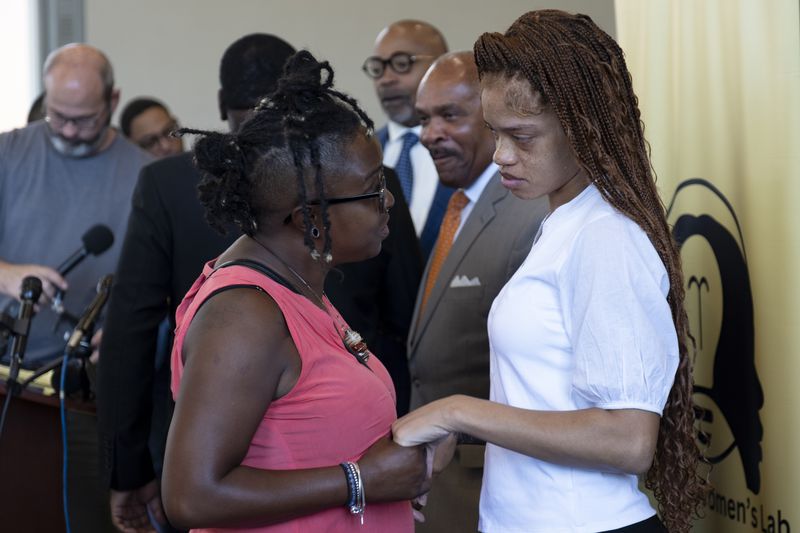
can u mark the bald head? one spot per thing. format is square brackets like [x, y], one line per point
[79, 58]
[455, 67]
[453, 130]
[425, 37]
[417, 44]
[80, 98]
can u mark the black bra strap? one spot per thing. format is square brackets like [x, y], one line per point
[261, 268]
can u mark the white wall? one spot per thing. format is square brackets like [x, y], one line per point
[18, 33]
[171, 48]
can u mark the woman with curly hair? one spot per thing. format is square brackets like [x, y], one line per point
[591, 380]
[282, 415]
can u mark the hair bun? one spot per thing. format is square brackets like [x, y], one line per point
[304, 83]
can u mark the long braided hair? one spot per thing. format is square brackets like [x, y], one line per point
[295, 137]
[581, 73]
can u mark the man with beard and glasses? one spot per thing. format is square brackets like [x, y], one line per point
[403, 51]
[59, 177]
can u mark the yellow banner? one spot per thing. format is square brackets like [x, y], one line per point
[718, 83]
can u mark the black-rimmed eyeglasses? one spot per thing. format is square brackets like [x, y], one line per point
[84, 123]
[149, 141]
[380, 194]
[400, 62]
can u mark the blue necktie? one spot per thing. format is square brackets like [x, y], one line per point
[403, 167]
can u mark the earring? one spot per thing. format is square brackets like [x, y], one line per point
[315, 232]
[315, 255]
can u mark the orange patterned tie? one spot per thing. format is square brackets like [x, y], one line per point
[447, 231]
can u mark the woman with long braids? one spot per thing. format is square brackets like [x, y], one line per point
[590, 371]
[282, 415]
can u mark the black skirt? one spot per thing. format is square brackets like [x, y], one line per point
[651, 525]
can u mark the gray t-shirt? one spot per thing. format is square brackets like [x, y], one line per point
[47, 202]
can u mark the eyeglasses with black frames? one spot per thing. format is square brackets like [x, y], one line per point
[83, 123]
[149, 141]
[380, 194]
[400, 62]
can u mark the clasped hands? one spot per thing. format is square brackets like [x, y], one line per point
[427, 425]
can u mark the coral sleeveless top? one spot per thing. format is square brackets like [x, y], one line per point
[335, 411]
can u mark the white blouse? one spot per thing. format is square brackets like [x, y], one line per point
[583, 323]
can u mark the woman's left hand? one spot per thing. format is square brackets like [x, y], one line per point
[429, 423]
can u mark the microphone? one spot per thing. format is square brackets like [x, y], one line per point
[90, 314]
[96, 240]
[31, 290]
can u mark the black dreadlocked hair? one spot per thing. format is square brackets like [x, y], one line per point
[295, 134]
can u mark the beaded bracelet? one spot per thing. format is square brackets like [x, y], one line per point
[356, 502]
[351, 484]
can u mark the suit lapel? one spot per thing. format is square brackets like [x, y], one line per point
[482, 214]
[383, 136]
[415, 318]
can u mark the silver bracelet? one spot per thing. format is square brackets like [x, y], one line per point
[361, 502]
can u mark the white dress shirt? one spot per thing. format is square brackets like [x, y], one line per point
[426, 179]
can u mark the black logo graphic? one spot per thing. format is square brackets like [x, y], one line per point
[719, 302]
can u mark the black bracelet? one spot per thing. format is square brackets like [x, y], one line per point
[350, 475]
[356, 502]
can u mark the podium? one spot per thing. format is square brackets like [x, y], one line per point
[31, 462]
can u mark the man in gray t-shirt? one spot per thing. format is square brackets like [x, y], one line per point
[58, 178]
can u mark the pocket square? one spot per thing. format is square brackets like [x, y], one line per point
[464, 281]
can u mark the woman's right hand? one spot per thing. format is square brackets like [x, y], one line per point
[391, 472]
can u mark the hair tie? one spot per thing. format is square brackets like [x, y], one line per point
[265, 103]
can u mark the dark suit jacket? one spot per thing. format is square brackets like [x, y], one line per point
[376, 296]
[448, 346]
[165, 248]
[429, 233]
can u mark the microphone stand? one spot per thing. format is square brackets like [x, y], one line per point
[77, 345]
[19, 328]
[64, 316]
[81, 353]
[13, 387]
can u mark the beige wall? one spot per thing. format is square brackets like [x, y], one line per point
[719, 86]
[171, 48]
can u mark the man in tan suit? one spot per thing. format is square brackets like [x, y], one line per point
[486, 234]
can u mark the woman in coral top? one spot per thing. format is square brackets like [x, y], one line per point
[282, 415]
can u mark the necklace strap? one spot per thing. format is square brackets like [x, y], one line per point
[295, 273]
[261, 268]
[352, 341]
